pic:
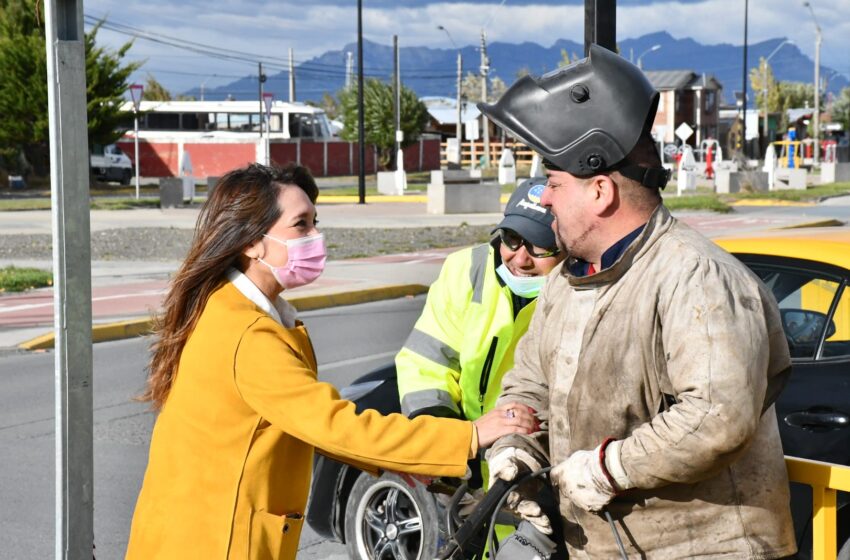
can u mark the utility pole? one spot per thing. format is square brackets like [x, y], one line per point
[459, 125]
[485, 123]
[744, 85]
[818, 41]
[349, 69]
[291, 77]
[396, 94]
[261, 78]
[600, 24]
[400, 177]
[361, 130]
[69, 181]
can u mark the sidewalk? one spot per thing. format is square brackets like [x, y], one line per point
[130, 290]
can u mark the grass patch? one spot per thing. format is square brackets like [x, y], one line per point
[810, 194]
[33, 203]
[14, 279]
[43, 203]
[123, 203]
[371, 190]
[706, 202]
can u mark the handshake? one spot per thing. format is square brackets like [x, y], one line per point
[588, 479]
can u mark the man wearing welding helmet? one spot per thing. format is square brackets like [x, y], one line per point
[653, 356]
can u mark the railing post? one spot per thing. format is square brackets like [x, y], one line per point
[824, 522]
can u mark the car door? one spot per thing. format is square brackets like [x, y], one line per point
[814, 409]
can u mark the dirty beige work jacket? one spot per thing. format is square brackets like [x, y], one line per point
[680, 355]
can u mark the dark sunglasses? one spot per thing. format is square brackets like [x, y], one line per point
[514, 241]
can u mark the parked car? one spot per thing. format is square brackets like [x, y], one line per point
[109, 163]
[808, 271]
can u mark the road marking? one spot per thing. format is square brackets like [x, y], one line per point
[101, 298]
[360, 360]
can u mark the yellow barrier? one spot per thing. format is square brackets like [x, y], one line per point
[782, 147]
[825, 479]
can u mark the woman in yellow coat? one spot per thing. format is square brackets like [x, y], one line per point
[233, 376]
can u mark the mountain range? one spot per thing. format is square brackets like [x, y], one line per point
[433, 71]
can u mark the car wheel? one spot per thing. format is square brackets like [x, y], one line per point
[125, 177]
[387, 519]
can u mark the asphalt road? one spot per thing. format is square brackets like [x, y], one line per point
[349, 342]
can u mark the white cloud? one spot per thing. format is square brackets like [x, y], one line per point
[264, 26]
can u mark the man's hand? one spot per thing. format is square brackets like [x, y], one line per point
[583, 481]
[511, 418]
[507, 464]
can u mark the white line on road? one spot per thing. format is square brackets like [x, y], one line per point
[24, 307]
[360, 360]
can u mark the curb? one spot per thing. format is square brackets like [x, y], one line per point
[830, 222]
[139, 327]
[352, 199]
[771, 202]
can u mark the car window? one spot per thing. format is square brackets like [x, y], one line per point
[805, 299]
[837, 342]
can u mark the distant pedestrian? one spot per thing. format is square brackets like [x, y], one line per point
[233, 376]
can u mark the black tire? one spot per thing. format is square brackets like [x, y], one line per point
[125, 177]
[386, 519]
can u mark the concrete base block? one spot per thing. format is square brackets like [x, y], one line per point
[726, 165]
[467, 198]
[170, 192]
[725, 183]
[392, 182]
[686, 181]
[790, 179]
[735, 181]
[507, 175]
[842, 172]
[437, 177]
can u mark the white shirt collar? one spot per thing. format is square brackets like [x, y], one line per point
[280, 310]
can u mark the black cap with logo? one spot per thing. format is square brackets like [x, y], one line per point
[525, 215]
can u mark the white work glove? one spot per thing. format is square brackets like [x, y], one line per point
[506, 465]
[581, 478]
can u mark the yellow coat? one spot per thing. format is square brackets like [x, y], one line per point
[232, 449]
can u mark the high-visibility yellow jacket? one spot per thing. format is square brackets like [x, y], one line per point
[453, 362]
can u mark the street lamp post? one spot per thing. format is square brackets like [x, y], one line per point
[818, 40]
[136, 91]
[459, 124]
[268, 100]
[764, 83]
[653, 48]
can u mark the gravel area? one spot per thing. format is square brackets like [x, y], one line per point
[162, 244]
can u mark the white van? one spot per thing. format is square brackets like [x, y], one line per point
[109, 163]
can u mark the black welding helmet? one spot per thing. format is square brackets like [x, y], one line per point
[584, 118]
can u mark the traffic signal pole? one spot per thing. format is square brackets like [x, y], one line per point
[600, 24]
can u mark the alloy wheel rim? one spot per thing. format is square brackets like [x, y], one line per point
[388, 523]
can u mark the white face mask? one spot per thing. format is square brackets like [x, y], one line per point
[523, 286]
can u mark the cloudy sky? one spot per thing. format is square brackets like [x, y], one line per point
[271, 27]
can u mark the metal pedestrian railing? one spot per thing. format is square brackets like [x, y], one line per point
[826, 479]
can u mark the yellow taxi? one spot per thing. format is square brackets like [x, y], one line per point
[808, 271]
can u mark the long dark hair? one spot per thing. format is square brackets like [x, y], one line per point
[242, 207]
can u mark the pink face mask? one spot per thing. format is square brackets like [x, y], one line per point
[305, 263]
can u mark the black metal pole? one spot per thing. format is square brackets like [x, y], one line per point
[744, 88]
[361, 131]
[600, 24]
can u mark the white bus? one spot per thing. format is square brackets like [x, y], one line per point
[186, 120]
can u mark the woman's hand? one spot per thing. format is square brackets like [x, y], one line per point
[511, 418]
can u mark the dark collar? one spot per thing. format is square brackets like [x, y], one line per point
[579, 267]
